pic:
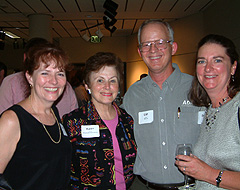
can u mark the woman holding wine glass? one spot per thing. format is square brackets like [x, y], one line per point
[215, 161]
[185, 149]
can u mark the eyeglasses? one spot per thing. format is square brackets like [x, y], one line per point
[159, 44]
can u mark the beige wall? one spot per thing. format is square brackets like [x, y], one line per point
[187, 35]
[135, 65]
[80, 50]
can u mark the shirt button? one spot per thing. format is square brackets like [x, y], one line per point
[163, 143]
[122, 139]
[127, 159]
[165, 167]
[162, 120]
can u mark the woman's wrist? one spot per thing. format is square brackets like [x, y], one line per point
[219, 178]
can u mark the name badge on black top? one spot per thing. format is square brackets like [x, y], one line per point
[90, 131]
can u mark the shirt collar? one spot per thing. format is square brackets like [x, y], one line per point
[171, 81]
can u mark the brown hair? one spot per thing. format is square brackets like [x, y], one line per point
[99, 60]
[45, 53]
[197, 95]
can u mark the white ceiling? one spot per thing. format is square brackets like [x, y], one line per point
[72, 16]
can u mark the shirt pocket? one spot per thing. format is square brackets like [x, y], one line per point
[186, 127]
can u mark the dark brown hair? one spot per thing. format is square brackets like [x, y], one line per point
[99, 60]
[197, 95]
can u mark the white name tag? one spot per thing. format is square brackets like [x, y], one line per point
[63, 130]
[145, 117]
[200, 116]
[90, 131]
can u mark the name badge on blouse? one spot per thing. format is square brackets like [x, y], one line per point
[90, 131]
[145, 117]
[200, 116]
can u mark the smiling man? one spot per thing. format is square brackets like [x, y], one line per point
[163, 115]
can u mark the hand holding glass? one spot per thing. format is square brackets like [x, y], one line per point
[184, 149]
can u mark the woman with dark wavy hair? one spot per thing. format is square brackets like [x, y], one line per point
[216, 159]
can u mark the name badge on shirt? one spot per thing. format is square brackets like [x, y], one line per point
[63, 130]
[145, 117]
[200, 116]
[90, 131]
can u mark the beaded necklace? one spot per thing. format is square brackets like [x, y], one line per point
[211, 117]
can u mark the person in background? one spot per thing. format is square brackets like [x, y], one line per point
[216, 86]
[35, 149]
[79, 88]
[3, 72]
[143, 75]
[163, 115]
[15, 88]
[101, 133]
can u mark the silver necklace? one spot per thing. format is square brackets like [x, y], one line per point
[211, 117]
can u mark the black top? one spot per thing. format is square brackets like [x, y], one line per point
[38, 163]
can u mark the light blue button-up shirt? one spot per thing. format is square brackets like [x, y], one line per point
[163, 118]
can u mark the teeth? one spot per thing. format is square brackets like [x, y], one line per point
[158, 57]
[51, 89]
[210, 76]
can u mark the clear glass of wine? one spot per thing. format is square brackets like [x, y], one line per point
[185, 149]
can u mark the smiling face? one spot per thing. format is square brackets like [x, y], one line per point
[104, 86]
[156, 60]
[48, 83]
[214, 69]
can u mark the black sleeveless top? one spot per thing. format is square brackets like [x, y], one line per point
[38, 163]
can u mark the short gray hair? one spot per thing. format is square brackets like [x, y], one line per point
[157, 21]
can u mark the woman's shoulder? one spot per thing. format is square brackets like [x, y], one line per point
[124, 113]
[9, 122]
[80, 112]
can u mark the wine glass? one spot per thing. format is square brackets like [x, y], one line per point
[184, 149]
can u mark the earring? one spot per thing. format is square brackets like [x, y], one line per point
[89, 91]
[232, 77]
[30, 85]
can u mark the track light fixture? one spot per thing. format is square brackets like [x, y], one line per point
[99, 33]
[86, 37]
[110, 13]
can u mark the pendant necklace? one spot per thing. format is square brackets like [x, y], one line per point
[60, 134]
[211, 117]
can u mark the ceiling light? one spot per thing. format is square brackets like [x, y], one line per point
[99, 33]
[11, 35]
[86, 37]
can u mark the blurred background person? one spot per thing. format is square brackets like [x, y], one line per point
[216, 85]
[15, 88]
[78, 86]
[3, 72]
[35, 149]
[143, 75]
[101, 133]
